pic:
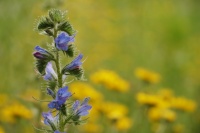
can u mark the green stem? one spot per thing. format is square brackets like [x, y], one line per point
[61, 126]
[58, 70]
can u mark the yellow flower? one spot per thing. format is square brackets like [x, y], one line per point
[11, 112]
[147, 99]
[113, 111]
[157, 114]
[147, 76]
[82, 90]
[123, 123]
[166, 94]
[111, 80]
[183, 104]
[1, 130]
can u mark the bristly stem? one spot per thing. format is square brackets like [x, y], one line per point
[57, 62]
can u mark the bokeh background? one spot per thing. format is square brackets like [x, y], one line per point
[121, 37]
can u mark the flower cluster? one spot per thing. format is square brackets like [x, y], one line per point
[147, 76]
[162, 106]
[111, 80]
[49, 67]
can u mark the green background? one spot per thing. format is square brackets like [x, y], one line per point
[121, 35]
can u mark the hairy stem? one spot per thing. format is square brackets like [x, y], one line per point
[61, 126]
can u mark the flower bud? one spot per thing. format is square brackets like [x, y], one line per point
[42, 54]
[74, 68]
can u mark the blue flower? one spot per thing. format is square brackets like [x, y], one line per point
[74, 68]
[48, 118]
[81, 109]
[61, 96]
[63, 41]
[75, 64]
[49, 72]
[42, 54]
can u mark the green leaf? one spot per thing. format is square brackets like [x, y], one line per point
[52, 84]
[66, 27]
[71, 51]
[45, 23]
[63, 110]
[53, 127]
[41, 65]
[56, 15]
[49, 32]
[78, 73]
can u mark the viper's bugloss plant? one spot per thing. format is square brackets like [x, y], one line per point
[61, 112]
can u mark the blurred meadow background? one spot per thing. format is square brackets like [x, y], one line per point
[142, 66]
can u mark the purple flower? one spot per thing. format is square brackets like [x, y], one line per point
[81, 109]
[49, 72]
[59, 132]
[42, 54]
[75, 64]
[61, 97]
[48, 118]
[74, 68]
[63, 41]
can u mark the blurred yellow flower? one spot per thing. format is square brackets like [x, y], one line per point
[166, 94]
[82, 90]
[157, 114]
[1, 130]
[113, 111]
[123, 123]
[12, 112]
[183, 104]
[111, 80]
[147, 99]
[147, 76]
